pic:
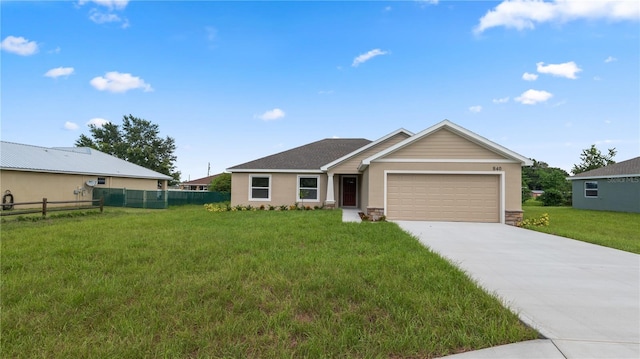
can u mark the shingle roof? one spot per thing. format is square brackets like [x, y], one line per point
[308, 157]
[74, 160]
[625, 168]
[201, 181]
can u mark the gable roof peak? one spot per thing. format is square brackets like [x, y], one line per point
[458, 130]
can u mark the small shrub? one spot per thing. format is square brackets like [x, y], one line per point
[541, 221]
[552, 197]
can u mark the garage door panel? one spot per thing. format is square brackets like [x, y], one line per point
[443, 197]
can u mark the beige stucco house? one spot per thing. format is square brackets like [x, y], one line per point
[444, 173]
[31, 173]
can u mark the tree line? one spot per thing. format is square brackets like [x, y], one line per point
[553, 181]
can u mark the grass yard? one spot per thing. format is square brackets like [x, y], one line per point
[611, 229]
[185, 282]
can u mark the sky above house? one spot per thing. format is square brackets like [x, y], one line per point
[235, 81]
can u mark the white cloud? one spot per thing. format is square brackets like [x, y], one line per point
[532, 97]
[71, 126]
[367, 56]
[271, 115]
[525, 14]
[610, 59]
[19, 45]
[501, 100]
[59, 71]
[529, 77]
[110, 4]
[98, 122]
[118, 82]
[102, 18]
[212, 33]
[475, 109]
[567, 69]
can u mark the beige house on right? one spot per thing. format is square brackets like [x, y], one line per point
[443, 173]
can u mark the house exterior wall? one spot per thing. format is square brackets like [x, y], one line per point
[443, 144]
[621, 194]
[34, 186]
[350, 166]
[284, 187]
[364, 193]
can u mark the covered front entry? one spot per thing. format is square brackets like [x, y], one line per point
[349, 187]
[443, 197]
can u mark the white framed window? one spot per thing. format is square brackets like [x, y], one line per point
[259, 187]
[102, 180]
[308, 188]
[591, 189]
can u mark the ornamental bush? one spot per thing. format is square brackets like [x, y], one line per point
[552, 197]
[541, 221]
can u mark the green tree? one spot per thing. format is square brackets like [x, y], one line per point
[221, 183]
[137, 142]
[592, 158]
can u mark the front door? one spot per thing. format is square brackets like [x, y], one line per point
[349, 191]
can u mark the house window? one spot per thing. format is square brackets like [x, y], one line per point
[259, 188]
[102, 180]
[591, 189]
[308, 188]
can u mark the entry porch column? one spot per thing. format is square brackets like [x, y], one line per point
[330, 202]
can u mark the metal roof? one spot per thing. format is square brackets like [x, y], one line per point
[621, 169]
[308, 157]
[71, 160]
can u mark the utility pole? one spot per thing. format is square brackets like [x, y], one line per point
[208, 168]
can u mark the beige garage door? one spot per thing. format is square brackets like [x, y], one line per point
[450, 197]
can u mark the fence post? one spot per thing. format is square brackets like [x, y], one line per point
[101, 204]
[44, 207]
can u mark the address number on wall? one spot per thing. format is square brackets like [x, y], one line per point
[497, 168]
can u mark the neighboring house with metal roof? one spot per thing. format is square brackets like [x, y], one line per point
[615, 187]
[444, 173]
[32, 173]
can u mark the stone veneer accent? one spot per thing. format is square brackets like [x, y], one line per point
[512, 218]
[329, 205]
[375, 213]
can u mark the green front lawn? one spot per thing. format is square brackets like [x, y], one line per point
[611, 229]
[185, 282]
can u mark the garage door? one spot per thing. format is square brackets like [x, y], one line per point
[443, 197]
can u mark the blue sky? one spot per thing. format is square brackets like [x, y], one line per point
[235, 81]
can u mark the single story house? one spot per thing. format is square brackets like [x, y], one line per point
[615, 187]
[200, 184]
[444, 173]
[31, 173]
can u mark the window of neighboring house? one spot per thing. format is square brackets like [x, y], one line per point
[591, 189]
[102, 180]
[308, 188]
[260, 187]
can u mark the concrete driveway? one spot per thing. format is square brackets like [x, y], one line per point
[583, 297]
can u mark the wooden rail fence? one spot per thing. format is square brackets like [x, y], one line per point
[8, 208]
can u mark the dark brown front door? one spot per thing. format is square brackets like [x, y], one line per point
[349, 190]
